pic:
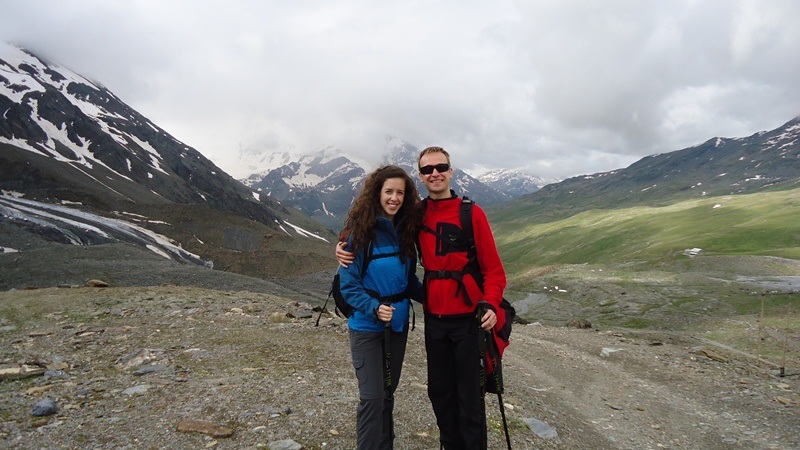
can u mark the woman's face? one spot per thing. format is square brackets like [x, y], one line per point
[392, 194]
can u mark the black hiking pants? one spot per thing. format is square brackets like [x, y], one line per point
[454, 381]
[374, 422]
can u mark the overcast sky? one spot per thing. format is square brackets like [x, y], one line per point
[557, 88]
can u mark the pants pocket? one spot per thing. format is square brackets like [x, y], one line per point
[361, 372]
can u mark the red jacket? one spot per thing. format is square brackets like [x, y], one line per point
[444, 296]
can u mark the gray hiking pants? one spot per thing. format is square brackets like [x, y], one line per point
[374, 422]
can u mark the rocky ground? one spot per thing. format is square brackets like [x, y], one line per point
[132, 367]
[172, 356]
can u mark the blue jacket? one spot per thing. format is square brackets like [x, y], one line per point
[385, 275]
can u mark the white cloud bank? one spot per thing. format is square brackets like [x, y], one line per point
[556, 88]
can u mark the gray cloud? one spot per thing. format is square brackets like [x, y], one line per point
[559, 88]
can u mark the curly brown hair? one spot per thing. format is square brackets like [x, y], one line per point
[362, 217]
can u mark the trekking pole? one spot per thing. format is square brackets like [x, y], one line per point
[488, 343]
[387, 357]
[503, 415]
[482, 373]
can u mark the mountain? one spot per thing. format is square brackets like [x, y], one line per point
[767, 160]
[512, 182]
[67, 140]
[323, 185]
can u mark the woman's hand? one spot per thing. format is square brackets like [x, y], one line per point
[384, 313]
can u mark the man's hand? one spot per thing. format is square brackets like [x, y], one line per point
[489, 320]
[345, 258]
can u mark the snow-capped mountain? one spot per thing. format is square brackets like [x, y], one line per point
[65, 139]
[323, 184]
[512, 182]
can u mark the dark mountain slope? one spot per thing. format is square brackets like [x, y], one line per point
[67, 140]
[719, 166]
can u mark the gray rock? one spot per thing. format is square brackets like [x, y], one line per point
[541, 429]
[46, 407]
[153, 368]
[286, 444]
[138, 358]
[608, 351]
[55, 374]
[136, 390]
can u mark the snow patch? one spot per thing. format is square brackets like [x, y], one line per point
[303, 232]
[61, 218]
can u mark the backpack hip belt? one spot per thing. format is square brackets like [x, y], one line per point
[452, 274]
[394, 298]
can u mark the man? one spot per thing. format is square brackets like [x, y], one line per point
[454, 309]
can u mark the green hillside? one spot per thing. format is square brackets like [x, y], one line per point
[766, 223]
[627, 269]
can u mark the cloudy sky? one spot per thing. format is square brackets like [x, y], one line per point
[556, 88]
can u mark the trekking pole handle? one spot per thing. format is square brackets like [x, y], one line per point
[482, 309]
[387, 324]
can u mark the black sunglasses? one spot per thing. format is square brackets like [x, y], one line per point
[441, 168]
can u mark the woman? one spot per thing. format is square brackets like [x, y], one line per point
[383, 221]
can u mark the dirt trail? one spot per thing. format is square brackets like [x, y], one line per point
[647, 393]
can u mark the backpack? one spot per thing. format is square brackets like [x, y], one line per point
[344, 309]
[504, 332]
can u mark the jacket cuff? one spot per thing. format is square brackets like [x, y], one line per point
[375, 305]
[487, 305]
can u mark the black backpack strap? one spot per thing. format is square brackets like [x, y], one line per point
[416, 238]
[367, 258]
[465, 214]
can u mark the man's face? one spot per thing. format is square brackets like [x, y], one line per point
[437, 183]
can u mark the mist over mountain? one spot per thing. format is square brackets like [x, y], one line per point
[69, 141]
[323, 184]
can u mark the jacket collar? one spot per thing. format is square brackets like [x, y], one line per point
[453, 196]
[383, 222]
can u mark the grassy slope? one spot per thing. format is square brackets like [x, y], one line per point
[626, 268]
[765, 224]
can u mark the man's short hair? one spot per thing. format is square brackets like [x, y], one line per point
[430, 150]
